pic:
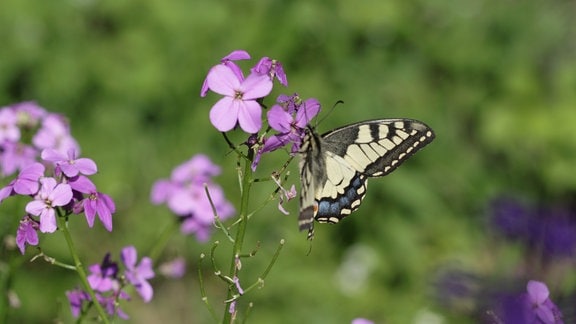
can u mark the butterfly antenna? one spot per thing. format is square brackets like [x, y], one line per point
[328, 113]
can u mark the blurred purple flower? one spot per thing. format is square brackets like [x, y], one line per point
[185, 195]
[9, 131]
[138, 275]
[68, 163]
[50, 195]
[110, 304]
[104, 276]
[76, 298]
[272, 68]
[239, 103]
[29, 114]
[26, 233]
[228, 61]
[55, 134]
[16, 156]
[26, 183]
[550, 229]
[173, 269]
[531, 307]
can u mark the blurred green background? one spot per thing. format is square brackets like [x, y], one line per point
[495, 79]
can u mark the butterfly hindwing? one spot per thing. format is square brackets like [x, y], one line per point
[335, 166]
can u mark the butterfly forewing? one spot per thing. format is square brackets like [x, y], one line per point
[335, 166]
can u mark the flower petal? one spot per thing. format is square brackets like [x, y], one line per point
[537, 291]
[224, 114]
[222, 80]
[256, 86]
[128, 255]
[279, 119]
[61, 195]
[309, 109]
[48, 221]
[250, 116]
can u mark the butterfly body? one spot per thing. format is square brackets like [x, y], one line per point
[335, 166]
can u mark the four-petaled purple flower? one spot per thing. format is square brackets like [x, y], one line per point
[239, 105]
[50, 195]
[68, 163]
[138, 275]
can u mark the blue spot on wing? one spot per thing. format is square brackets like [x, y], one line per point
[331, 209]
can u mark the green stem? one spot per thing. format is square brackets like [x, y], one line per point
[63, 225]
[238, 242]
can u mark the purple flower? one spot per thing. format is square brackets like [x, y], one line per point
[55, 134]
[185, 195]
[95, 203]
[26, 233]
[137, 275]
[110, 303]
[29, 113]
[76, 298]
[69, 164]
[239, 103]
[173, 269]
[51, 195]
[26, 183]
[548, 229]
[9, 131]
[16, 156]
[228, 61]
[103, 277]
[290, 124]
[272, 68]
[540, 303]
[199, 169]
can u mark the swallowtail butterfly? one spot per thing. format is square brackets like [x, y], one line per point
[335, 166]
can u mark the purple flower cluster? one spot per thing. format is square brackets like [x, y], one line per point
[185, 195]
[551, 230]
[25, 130]
[289, 117]
[109, 284]
[242, 105]
[49, 171]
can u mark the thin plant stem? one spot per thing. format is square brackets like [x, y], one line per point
[63, 226]
[203, 289]
[246, 183]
